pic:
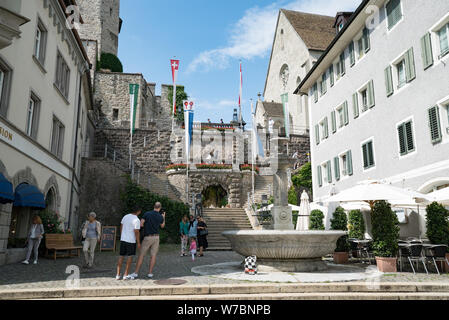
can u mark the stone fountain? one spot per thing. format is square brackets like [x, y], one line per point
[283, 248]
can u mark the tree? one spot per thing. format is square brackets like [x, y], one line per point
[437, 224]
[181, 95]
[292, 196]
[339, 221]
[109, 61]
[316, 220]
[385, 230]
[356, 225]
[303, 179]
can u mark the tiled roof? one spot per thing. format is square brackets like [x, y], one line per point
[273, 109]
[316, 31]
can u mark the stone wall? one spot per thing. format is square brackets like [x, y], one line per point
[300, 144]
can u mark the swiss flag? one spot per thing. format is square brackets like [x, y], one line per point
[174, 69]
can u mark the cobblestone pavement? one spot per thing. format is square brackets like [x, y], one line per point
[52, 274]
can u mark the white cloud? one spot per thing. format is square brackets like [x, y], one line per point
[252, 36]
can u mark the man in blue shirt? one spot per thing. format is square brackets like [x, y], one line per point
[152, 222]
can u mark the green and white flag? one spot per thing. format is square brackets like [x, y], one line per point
[284, 98]
[133, 98]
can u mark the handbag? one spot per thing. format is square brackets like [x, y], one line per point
[204, 232]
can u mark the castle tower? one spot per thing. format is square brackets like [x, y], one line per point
[102, 24]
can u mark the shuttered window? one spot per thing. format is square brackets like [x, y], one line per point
[368, 155]
[400, 67]
[334, 121]
[57, 138]
[317, 134]
[355, 105]
[406, 141]
[389, 81]
[342, 64]
[352, 53]
[331, 75]
[426, 51]
[5, 84]
[325, 125]
[444, 41]
[394, 12]
[323, 84]
[366, 41]
[315, 92]
[320, 176]
[337, 168]
[33, 111]
[346, 113]
[434, 124]
[349, 169]
[371, 99]
[329, 171]
[410, 72]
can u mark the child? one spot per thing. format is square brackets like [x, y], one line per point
[193, 247]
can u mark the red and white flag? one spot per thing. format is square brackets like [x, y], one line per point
[174, 69]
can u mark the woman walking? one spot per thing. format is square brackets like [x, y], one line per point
[34, 239]
[92, 235]
[202, 236]
[184, 232]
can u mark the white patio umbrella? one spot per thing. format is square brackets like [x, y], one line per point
[441, 196]
[302, 224]
[268, 208]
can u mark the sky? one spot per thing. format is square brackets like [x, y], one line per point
[210, 38]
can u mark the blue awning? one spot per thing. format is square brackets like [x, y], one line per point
[29, 196]
[6, 190]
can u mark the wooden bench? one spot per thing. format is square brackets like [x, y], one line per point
[61, 242]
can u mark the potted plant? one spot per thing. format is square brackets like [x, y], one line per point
[316, 220]
[339, 221]
[385, 226]
[437, 224]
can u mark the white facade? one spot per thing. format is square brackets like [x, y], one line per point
[419, 81]
[45, 114]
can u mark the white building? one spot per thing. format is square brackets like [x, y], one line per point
[379, 100]
[45, 118]
[299, 40]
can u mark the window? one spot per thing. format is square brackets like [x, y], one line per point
[400, 67]
[394, 12]
[343, 116]
[62, 80]
[57, 138]
[368, 155]
[351, 54]
[434, 124]
[33, 110]
[315, 92]
[389, 81]
[327, 170]
[324, 126]
[5, 79]
[114, 114]
[406, 141]
[346, 164]
[40, 42]
[331, 75]
[323, 84]
[444, 42]
[364, 96]
[367, 97]
[341, 65]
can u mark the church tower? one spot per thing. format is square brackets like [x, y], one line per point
[102, 24]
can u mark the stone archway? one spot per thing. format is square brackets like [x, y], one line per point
[214, 196]
[52, 195]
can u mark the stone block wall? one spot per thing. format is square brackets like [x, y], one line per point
[300, 144]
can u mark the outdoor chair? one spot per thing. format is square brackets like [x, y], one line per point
[437, 253]
[413, 253]
[354, 248]
[366, 252]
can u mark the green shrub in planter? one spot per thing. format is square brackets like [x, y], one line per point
[356, 225]
[316, 220]
[385, 230]
[339, 221]
[437, 223]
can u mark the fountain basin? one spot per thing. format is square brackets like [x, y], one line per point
[287, 251]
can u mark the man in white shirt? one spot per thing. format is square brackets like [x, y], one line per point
[130, 234]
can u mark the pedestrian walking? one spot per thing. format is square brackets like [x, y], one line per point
[202, 236]
[152, 222]
[184, 234]
[34, 239]
[129, 230]
[193, 247]
[92, 235]
[193, 225]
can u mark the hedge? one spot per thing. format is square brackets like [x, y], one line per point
[316, 220]
[437, 224]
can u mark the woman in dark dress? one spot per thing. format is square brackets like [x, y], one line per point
[202, 236]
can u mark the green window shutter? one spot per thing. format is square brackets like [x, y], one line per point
[426, 51]
[366, 40]
[402, 140]
[349, 163]
[342, 64]
[320, 176]
[409, 137]
[365, 155]
[352, 53]
[410, 72]
[434, 124]
[326, 128]
[334, 121]
[315, 92]
[371, 154]
[371, 98]
[355, 105]
[323, 84]
[329, 171]
[337, 168]
[331, 75]
[389, 81]
[317, 134]
[394, 12]
[346, 113]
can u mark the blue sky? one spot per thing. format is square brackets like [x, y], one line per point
[210, 37]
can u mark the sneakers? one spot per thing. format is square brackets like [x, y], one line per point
[128, 277]
[35, 262]
[150, 275]
[25, 262]
[134, 275]
[118, 277]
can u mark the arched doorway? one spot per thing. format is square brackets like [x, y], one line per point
[215, 196]
[50, 200]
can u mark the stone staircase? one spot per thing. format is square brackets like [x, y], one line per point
[219, 220]
[263, 185]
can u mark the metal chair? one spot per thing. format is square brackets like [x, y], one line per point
[365, 250]
[437, 253]
[413, 253]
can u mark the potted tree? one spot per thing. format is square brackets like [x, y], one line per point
[385, 236]
[316, 220]
[437, 224]
[356, 228]
[339, 221]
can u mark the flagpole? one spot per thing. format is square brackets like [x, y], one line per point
[253, 148]
[240, 96]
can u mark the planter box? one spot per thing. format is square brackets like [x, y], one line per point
[386, 264]
[341, 257]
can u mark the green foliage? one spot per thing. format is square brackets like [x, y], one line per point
[356, 225]
[292, 196]
[339, 221]
[316, 220]
[51, 222]
[303, 179]
[385, 230]
[437, 224]
[109, 61]
[135, 195]
[181, 95]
